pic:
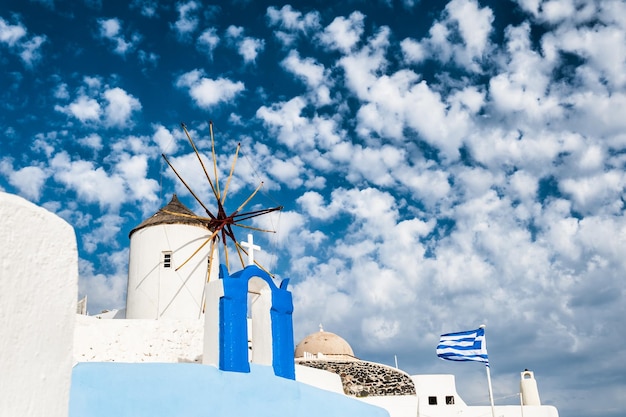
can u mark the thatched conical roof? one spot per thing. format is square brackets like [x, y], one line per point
[165, 216]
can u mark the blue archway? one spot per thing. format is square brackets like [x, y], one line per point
[233, 325]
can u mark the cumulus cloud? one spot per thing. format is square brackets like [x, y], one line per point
[413, 52]
[292, 24]
[188, 20]
[15, 38]
[208, 41]
[312, 73]
[249, 48]
[29, 181]
[92, 141]
[111, 29]
[11, 34]
[148, 8]
[207, 92]
[343, 33]
[111, 107]
[307, 135]
[83, 108]
[461, 37]
[104, 291]
[165, 140]
[120, 107]
[91, 184]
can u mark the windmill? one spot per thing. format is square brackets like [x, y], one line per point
[220, 222]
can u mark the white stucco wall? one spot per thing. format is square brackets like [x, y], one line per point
[396, 405]
[319, 378]
[155, 292]
[39, 282]
[138, 341]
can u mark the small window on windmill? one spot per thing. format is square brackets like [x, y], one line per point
[167, 259]
[450, 399]
[432, 400]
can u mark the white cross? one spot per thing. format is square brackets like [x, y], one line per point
[251, 247]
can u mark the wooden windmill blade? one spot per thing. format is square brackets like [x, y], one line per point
[220, 223]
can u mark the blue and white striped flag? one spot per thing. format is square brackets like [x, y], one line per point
[464, 346]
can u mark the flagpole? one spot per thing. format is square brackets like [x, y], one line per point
[493, 408]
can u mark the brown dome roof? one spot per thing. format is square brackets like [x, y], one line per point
[326, 343]
[174, 212]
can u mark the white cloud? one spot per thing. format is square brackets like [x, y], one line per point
[83, 108]
[313, 74]
[187, 21]
[312, 203]
[11, 34]
[556, 10]
[164, 138]
[104, 230]
[14, 36]
[287, 118]
[91, 184]
[343, 34]
[208, 41]
[375, 164]
[115, 110]
[465, 20]
[412, 51]
[291, 23]
[362, 67]
[287, 171]
[61, 92]
[104, 291]
[249, 48]
[111, 29]
[29, 181]
[93, 141]
[596, 194]
[524, 185]
[148, 8]
[474, 25]
[290, 19]
[522, 85]
[134, 171]
[401, 101]
[604, 48]
[120, 107]
[208, 92]
[31, 50]
[310, 71]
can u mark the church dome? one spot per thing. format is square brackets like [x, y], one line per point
[328, 344]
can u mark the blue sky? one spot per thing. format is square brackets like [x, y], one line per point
[441, 164]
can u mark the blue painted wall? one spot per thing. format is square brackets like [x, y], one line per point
[109, 389]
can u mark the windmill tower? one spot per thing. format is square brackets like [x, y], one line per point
[165, 278]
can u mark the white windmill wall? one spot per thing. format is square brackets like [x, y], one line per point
[158, 292]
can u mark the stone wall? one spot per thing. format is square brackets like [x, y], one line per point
[363, 379]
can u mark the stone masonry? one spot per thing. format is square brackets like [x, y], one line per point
[362, 379]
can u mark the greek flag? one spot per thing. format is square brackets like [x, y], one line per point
[464, 346]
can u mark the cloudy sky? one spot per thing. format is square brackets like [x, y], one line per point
[441, 164]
